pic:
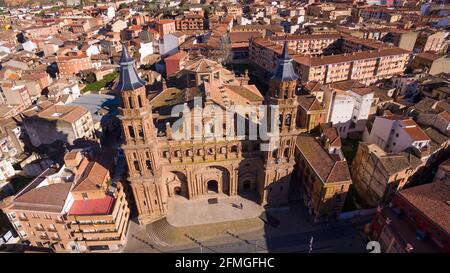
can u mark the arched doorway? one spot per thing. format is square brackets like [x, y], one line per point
[213, 187]
[247, 185]
[177, 190]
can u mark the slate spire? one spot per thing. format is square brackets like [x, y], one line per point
[128, 76]
[285, 70]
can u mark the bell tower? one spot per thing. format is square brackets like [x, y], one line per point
[139, 145]
[279, 161]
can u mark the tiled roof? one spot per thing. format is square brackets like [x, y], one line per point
[432, 200]
[49, 198]
[92, 178]
[202, 65]
[309, 103]
[100, 206]
[341, 58]
[329, 170]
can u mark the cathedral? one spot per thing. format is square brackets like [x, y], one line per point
[186, 142]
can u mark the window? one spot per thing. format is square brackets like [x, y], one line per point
[136, 165]
[140, 101]
[286, 94]
[131, 131]
[288, 119]
[84, 195]
[140, 132]
[234, 149]
[130, 102]
[274, 153]
[148, 163]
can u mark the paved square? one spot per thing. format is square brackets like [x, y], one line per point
[184, 212]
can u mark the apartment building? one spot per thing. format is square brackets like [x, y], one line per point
[402, 38]
[305, 44]
[98, 216]
[427, 41]
[379, 14]
[73, 62]
[416, 221]
[366, 66]
[322, 174]
[189, 22]
[396, 133]
[48, 123]
[348, 105]
[165, 26]
[75, 208]
[377, 175]
[16, 95]
[434, 64]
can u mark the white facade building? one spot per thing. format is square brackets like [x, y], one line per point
[145, 50]
[395, 133]
[348, 106]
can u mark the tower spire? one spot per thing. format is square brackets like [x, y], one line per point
[285, 70]
[128, 78]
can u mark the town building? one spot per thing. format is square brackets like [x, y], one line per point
[322, 173]
[415, 221]
[48, 123]
[377, 175]
[189, 22]
[76, 208]
[396, 133]
[73, 63]
[434, 64]
[348, 104]
[362, 61]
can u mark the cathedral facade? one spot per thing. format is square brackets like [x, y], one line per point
[200, 149]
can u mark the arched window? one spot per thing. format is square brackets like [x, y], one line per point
[288, 120]
[234, 149]
[148, 164]
[280, 121]
[286, 152]
[130, 102]
[136, 165]
[286, 93]
[140, 132]
[131, 131]
[276, 93]
[140, 101]
[274, 153]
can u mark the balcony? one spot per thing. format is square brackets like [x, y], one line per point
[39, 228]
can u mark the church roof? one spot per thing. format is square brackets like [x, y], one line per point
[128, 78]
[285, 70]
